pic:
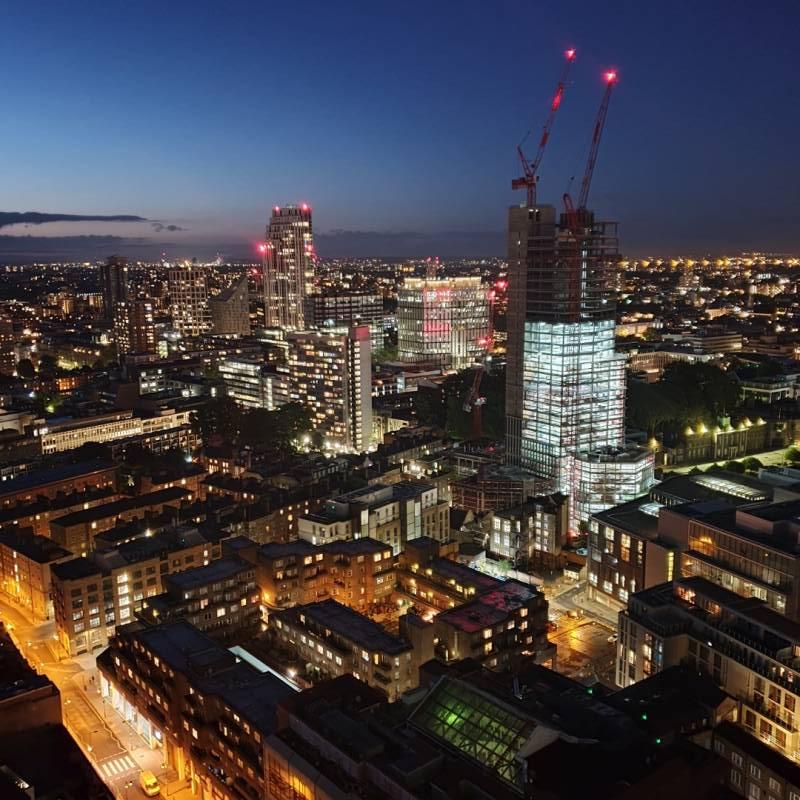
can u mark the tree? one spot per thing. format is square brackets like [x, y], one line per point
[793, 455]
[48, 366]
[220, 416]
[734, 466]
[752, 464]
[25, 369]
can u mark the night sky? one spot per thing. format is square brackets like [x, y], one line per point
[396, 121]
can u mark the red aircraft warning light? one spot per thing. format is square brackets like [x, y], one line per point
[610, 76]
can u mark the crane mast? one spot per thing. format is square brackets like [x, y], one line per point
[530, 170]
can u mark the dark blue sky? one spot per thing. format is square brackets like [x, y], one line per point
[399, 120]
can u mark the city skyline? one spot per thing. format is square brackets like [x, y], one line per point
[690, 136]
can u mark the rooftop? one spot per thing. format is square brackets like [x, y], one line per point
[348, 624]
[489, 608]
[42, 477]
[220, 570]
[120, 506]
[37, 548]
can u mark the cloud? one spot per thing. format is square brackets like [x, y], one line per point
[160, 226]
[38, 218]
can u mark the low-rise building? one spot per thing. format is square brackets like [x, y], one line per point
[220, 598]
[358, 573]
[750, 651]
[94, 594]
[63, 479]
[531, 532]
[25, 563]
[497, 626]
[392, 515]
[331, 640]
[76, 531]
[206, 711]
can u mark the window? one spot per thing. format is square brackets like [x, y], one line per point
[736, 758]
[753, 792]
[774, 785]
[755, 771]
[736, 778]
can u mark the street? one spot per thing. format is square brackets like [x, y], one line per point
[115, 750]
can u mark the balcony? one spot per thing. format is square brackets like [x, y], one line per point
[764, 711]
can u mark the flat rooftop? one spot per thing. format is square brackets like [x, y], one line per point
[489, 608]
[121, 506]
[348, 624]
[36, 548]
[220, 570]
[40, 478]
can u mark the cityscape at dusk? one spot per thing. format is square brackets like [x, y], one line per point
[400, 402]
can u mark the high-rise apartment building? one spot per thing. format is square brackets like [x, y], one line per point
[288, 266]
[331, 374]
[565, 384]
[443, 321]
[188, 290]
[134, 327]
[114, 280]
[342, 311]
[230, 310]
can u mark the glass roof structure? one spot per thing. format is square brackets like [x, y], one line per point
[463, 719]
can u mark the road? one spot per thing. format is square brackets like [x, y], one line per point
[116, 752]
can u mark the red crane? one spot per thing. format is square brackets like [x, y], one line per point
[530, 169]
[610, 77]
[473, 402]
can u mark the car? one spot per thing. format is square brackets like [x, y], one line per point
[613, 638]
[149, 783]
[574, 613]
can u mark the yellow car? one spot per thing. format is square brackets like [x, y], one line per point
[149, 783]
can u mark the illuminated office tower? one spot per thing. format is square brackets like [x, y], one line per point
[114, 280]
[442, 321]
[134, 327]
[188, 290]
[288, 266]
[331, 375]
[565, 384]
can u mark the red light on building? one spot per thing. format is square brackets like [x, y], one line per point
[610, 76]
[262, 248]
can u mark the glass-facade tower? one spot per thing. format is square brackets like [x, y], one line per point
[565, 393]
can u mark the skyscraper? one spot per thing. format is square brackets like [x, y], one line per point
[565, 384]
[443, 321]
[114, 280]
[188, 290]
[288, 266]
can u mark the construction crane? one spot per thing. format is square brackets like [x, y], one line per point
[530, 169]
[573, 212]
[474, 402]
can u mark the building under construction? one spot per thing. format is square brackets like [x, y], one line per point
[565, 392]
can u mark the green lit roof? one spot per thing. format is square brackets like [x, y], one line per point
[479, 728]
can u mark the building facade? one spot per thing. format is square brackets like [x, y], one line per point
[230, 310]
[92, 595]
[443, 321]
[343, 311]
[565, 384]
[254, 384]
[750, 651]
[392, 515]
[114, 284]
[134, 327]
[331, 375]
[188, 291]
[288, 267]
[531, 531]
